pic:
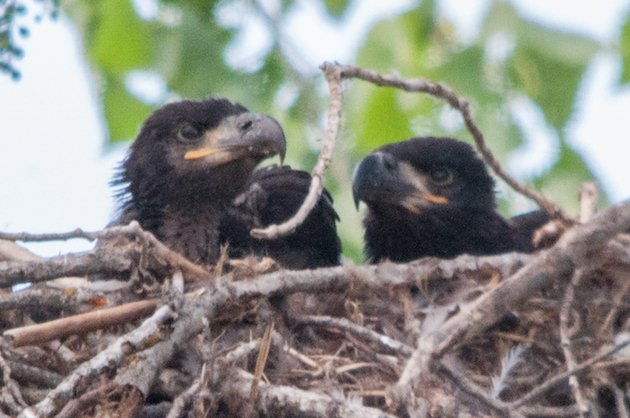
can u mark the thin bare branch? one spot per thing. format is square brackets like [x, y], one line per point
[463, 106]
[335, 87]
[367, 334]
[261, 361]
[565, 341]
[106, 261]
[278, 400]
[589, 199]
[80, 264]
[552, 382]
[112, 356]
[80, 324]
[77, 233]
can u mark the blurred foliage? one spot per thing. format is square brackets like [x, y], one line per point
[625, 50]
[190, 46]
[13, 27]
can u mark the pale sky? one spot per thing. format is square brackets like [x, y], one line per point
[55, 168]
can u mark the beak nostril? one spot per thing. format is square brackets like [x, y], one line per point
[388, 162]
[245, 126]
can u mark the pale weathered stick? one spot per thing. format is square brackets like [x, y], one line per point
[333, 77]
[364, 333]
[112, 356]
[9, 250]
[80, 324]
[589, 199]
[565, 341]
[277, 400]
[105, 261]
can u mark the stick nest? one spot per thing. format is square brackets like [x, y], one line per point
[508, 335]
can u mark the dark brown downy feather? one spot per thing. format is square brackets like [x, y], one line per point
[272, 195]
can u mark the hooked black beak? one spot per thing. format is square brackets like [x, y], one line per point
[376, 173]
[244, 135]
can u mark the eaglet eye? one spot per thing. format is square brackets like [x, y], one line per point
[442, 176]
[188, 133]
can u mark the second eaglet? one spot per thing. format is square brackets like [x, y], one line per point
[434, 197]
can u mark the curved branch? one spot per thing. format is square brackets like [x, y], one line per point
[463, 106]
[333, 76]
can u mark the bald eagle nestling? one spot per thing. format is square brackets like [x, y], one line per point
[190, 159]
[434, 197]
[273, 194]
[187, 175]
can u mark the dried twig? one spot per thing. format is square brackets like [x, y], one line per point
[565, 341]
[11, 251]
[470, 387]
[25, 373]
[367, 334]
[9, 383]
[278, 400]
[80, 324]
[99, 261]
[589, 199]
[552, 382]
[463, 106]
[181, 403]
[261, 361]
[53, 236]
[80, 264]
[112, 356]
[333, 76]
[68, 298]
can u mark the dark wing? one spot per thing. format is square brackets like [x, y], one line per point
[273, 195]
[524, 227]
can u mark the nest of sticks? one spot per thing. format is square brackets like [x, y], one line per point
[507, 335]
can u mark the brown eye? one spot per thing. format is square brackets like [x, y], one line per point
[442, 176]
[188, 133]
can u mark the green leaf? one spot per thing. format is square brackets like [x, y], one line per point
[545, 64]
[625, 50]
[501, 17]
[464, 71]
[124, 114]
[399, 43]
[202, 8]
[336, 8]
[191, 57]
[382, 121]
[551, 82]
[562, 183]
[121, 40]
